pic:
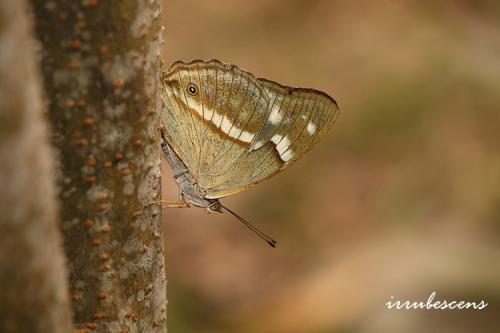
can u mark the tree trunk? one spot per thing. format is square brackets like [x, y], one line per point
[101, 68]
[33, 287]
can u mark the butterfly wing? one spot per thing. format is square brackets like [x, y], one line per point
[205, 126]
[238, 130]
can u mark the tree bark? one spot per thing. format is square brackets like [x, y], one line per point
[101, 68]
[33, 287]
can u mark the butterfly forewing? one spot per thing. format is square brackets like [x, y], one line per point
[232, 130]
[301, 126]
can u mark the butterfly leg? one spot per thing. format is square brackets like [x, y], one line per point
[182, 203]
[170, 204]
[173, 204]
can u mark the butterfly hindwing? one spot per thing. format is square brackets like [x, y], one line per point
[232, 130]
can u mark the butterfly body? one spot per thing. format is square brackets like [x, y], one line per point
[191, 193]
[226, 130]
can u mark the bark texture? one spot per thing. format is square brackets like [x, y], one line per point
[101, 68]
[33, 288]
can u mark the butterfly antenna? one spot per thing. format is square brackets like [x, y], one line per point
[247, 224]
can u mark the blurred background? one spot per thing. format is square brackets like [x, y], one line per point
[402, 199]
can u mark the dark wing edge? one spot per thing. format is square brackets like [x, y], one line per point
[291, 90]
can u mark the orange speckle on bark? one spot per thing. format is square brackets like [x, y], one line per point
[103, 49]
[80, 330]
[108, 164]
[135, 54]
[132, 315]
[77, 296]
[103, 207]
[103, 256]
[118, 84]
[103, 294]
[76, 44]
[103, 196]
[119, 156]
[99, 315]
[74, 64]
[88, 223]
[81, 24]
[69, 103]
[105, 268]
[126, 172]
[91, 326]
[96, 242]
[144, 30]
[106, 228]
[91, 161]
[81, 103]
[82, 142]
[88, 121]
[91, 179]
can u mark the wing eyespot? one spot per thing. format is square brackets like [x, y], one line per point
[192, 89]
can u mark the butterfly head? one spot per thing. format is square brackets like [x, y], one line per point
[215, 206]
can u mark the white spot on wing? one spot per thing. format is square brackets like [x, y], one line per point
[226, 125]
[216, 119]
[287, 156]
[258, 145]
[246, 136]
[275, 116]
[206, 113]
[276, 138]
[282, 146]
[234, 132]
[311, 128]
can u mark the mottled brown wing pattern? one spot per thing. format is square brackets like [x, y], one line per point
[233, 130]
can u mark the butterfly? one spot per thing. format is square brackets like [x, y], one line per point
[226, 130]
